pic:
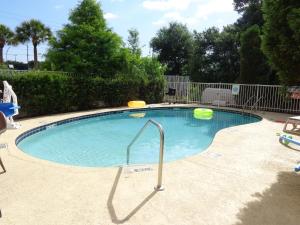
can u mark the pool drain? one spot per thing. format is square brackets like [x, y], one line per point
[3, 146]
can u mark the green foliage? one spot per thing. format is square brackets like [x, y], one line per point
[41, 93]
[88, 12]
[149, 73]
[141, 67]
[174, 47]
[86, 45]
[133, 42]
[6, 37]
[281, 38]
[242, 5]
[3, 66]
[251, 15]
[254, 69]
[34, 31]
[216, 55]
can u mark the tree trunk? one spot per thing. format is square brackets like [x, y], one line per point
[2, 43]
[35, 56]
[1, 55]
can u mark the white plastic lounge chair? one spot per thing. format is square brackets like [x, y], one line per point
[295, 122]
[284, 139]
[9, 97]
[297, 168]
[3, 128]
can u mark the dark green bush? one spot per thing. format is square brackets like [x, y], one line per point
[41, 93]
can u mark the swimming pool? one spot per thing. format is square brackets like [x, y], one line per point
[101, 140]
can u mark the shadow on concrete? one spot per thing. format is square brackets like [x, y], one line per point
[2, 166]
[110, 205]
[273, 116]
[277, 205]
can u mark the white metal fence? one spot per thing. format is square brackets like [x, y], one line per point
[243, 96]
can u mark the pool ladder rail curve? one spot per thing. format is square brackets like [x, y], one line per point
[253, 106]
[159, 186]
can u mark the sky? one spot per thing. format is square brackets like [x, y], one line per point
[147, 16]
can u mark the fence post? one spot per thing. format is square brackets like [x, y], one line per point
[274, 101]
[187, 91]
[257, 96]
[219, 95]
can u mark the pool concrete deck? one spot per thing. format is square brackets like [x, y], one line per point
[244, 178]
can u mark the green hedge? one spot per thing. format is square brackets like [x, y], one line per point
[41, 93]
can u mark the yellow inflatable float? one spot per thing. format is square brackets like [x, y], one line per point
[203, 114]
[136, 104]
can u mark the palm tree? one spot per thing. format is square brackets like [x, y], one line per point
[6, 37]
[34, 31]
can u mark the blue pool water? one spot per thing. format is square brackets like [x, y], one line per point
[102, 140]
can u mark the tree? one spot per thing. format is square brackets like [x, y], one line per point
[242, 5]
[133, 42]
[254, 68]
[34, 31]
[204, 60]
[174, 47]
[86, 45]
[251, 15]
[281, 38]
[6, 37]
[216, 55]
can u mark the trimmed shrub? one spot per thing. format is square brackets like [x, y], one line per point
[42, 93]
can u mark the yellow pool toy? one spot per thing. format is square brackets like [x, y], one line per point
[136, 104]
[203, 114]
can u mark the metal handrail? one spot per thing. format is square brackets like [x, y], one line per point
[161, 150]
[255, 103]
[249, 99]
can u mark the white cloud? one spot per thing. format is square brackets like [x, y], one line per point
[221, 23]
[205, 7]
[189, 12]
[58, 7]
[164, 5]
[212, 7]
[110, 16]
[175, 16]
[160, 22]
